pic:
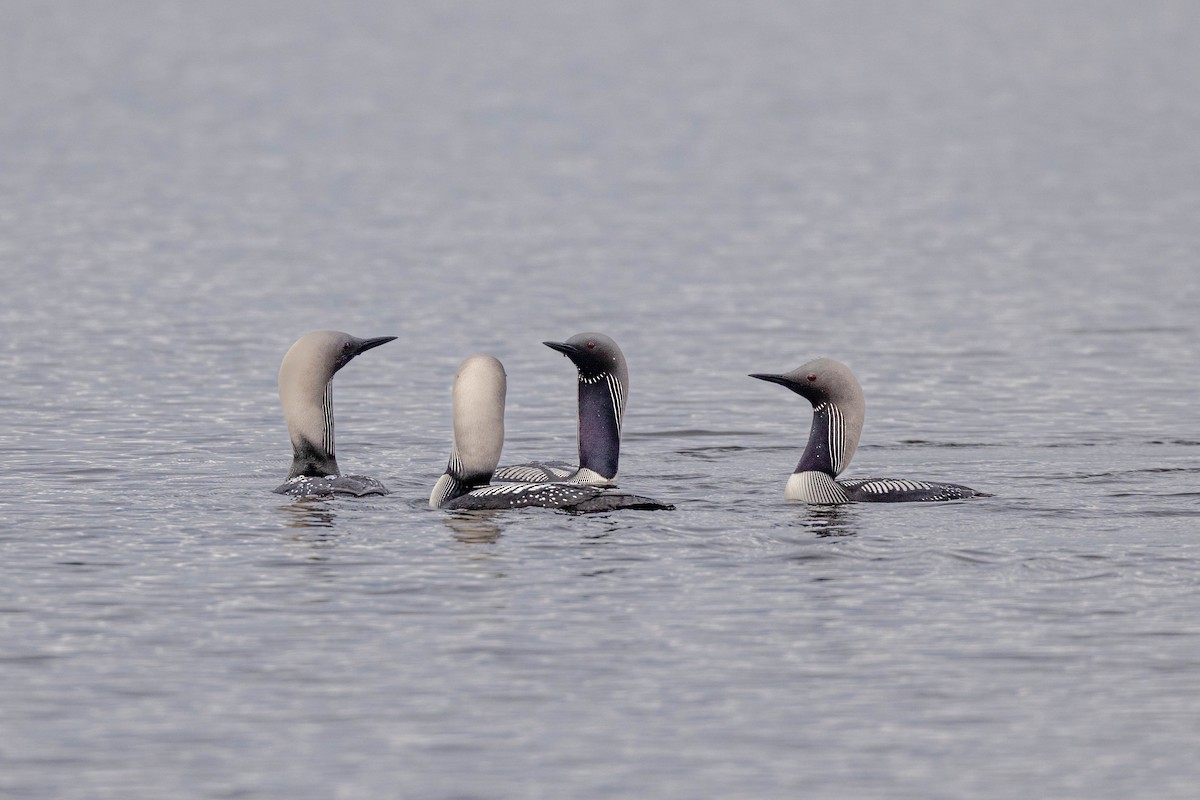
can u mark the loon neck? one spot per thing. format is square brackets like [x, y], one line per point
[448, 487]
[471, 472]
[478, 395]
[832, 440]
[310, 425]
[601, 408]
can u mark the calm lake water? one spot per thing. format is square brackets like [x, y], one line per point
[989, 211]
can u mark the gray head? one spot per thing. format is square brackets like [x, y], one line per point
[305, 390]
[480, 386]
[839, 409]
[603, 390]
[594, 355]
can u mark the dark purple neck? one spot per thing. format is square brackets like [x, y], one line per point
[817, 457]
[599, 430]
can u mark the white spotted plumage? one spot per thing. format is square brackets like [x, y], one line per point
[885, 485]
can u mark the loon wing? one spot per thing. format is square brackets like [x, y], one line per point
[308, 486]
[535, 473]
[899, 490]
[566, 496]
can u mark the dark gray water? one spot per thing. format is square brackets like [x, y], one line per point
[988, 210]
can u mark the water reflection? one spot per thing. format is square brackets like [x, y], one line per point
[827, 521]
[309, 513]
[474, 527]
[313, 522]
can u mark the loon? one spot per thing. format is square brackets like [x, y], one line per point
[838, 411]
[306, 392]
[603, 388]
[478, 397]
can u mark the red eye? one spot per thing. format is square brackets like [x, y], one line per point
[591, 345]
[812, 376]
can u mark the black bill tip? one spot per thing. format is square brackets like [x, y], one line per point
[366, 344]
[566, 348]
[782, 380]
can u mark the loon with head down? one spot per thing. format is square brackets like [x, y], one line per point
[838, 412]
[603, 381]
[478, 398]
[306, 392]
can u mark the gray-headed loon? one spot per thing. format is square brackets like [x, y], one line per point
[838, 412]
[478, 397]
[603, 388]
[306, 392]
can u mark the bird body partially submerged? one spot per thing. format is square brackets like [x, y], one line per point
[306, 393]
[478, 398]
[839, 409]
[603, 388]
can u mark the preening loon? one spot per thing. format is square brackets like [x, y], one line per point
[603, 388]
[478, 396]
[838, 412]
[306, 392]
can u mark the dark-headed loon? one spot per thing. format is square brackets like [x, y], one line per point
[838, 412]
[478, 397]
[603, 388]
[306, 392]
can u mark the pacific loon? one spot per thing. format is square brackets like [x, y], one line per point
[838, 412]
[478, 398]
[306, 392]
[603, 386]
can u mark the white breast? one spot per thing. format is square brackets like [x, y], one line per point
[815, 487]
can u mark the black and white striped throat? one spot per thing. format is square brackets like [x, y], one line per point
[616, 392]
[327, 418]
[835, 433]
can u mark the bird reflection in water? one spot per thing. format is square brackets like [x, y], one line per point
[309, 513]
[311, 521]
[474, 527]
[827, 521]
[310, 524]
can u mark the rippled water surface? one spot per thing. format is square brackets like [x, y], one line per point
[988, 211]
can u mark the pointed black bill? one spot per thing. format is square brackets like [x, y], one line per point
[366, 344]
[566, 348]
[356, 347]
[782, 380]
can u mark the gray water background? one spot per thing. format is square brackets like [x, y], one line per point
[989, 210]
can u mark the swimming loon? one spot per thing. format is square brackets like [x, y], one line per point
[603, 388]
[478, 397]
[306, 392]
[838, 411]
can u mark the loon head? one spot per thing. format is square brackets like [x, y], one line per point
[596, 356]
[603, 389]
[839, 409]
[306, 393]
[480, 386]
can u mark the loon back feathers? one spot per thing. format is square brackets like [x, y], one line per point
[571, 497]
[306, 394]
[839, 409]
[897, 490]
